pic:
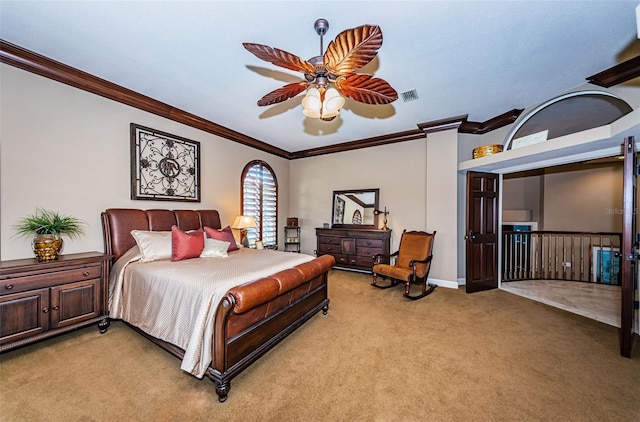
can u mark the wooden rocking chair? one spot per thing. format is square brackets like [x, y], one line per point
[412, 264]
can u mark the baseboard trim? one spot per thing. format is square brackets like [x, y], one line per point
[444, 283]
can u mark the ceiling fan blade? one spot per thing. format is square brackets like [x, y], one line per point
[284, 93]
[366, 89]
[280, 57]
[352, 49]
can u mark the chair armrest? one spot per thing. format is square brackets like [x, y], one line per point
[420, 261]
[378, 256]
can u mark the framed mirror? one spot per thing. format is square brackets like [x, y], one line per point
[354, 208]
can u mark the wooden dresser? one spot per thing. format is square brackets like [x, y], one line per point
[353, 248]
[42, 299]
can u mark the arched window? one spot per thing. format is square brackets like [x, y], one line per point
[260, 200]
[357, 217]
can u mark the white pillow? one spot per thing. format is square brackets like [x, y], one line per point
[214, 248]
[153, 246]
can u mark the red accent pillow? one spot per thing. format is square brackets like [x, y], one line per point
[185, 245]
[226, 235]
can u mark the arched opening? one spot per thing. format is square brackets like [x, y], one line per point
[569, 113]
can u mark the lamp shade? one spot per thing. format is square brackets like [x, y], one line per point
[244, 222]
[321, 104]
[332, 103]
[312, 101]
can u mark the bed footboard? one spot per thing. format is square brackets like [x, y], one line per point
[254, 317]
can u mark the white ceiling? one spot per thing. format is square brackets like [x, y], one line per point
[480, 58]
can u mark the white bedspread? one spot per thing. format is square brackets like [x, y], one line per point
[176, 301]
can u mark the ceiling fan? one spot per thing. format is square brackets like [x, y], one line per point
[330, 74]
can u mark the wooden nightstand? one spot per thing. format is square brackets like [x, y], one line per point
[43, 299]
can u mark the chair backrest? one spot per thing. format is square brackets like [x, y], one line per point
[415, 245]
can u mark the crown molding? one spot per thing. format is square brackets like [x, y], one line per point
[617, 74]
[465, 126]
[480, 128]
[21, 58]
[391, 138]
[442, 124]
[29, 61]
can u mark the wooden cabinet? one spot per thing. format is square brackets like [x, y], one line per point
[43, 299]
[353, 248]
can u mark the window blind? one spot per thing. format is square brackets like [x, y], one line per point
[260, 199]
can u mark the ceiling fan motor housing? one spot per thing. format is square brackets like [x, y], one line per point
[321, 26]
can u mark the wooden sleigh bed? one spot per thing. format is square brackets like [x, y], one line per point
[250, 318]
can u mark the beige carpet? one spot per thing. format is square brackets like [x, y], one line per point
[376, 356]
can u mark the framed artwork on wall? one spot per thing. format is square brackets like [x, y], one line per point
[164, 167]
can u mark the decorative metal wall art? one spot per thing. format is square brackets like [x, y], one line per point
[164, 167]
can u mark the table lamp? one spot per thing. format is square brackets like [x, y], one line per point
[242, 223]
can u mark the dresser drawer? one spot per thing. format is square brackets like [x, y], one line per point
[368, 252]
[342, 259]
[370, 243]
[330, 249]
[329, 240]
[362, 261]
[37, 281]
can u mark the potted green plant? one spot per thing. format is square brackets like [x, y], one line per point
[46, 228]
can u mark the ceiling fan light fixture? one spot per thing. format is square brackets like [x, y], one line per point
[313, 100]
[322, 104]
[330, 76]
[332, 103]
[313, 114]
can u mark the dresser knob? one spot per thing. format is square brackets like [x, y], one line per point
[86, 273]
[9, 286]
[55, 308]
[45, 310]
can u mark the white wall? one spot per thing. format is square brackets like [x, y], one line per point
[587, 199]
[524, 192]
[418, 185]
[398, 170]
[68, 150]
[442, 205]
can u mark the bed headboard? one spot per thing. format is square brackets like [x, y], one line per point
[117, 224]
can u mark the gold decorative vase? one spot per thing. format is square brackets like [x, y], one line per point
[487, 150]
[47, 247]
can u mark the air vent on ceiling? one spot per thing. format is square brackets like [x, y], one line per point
[409, 95]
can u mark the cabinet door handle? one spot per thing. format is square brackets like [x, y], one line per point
[55, 308]
[9, 286]
[86, 273]
[45, 310]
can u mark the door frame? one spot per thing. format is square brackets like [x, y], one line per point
[628, 247]
[482, 231]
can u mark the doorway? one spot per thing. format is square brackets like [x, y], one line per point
[583, 197]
